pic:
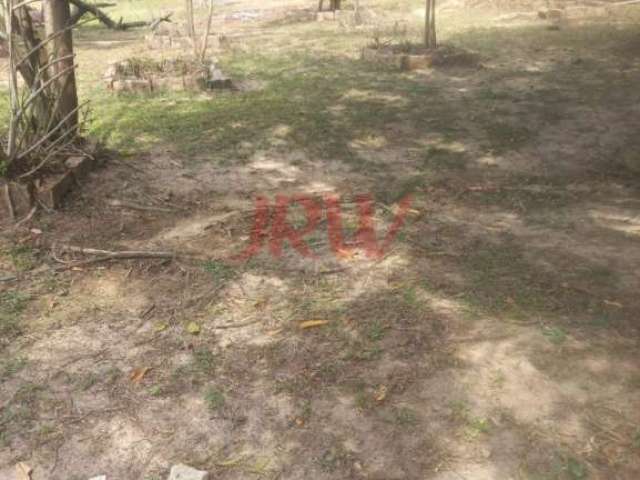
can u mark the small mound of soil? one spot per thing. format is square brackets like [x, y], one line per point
[450, 56]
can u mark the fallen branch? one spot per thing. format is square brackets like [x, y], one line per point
[77, 13]
[107, 21]
[113, 256]
[236, 325]
[154, 24]
[106, 255]
[135, 206]
[124, 254]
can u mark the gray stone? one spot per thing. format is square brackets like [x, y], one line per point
[217, 79]
[183, 472]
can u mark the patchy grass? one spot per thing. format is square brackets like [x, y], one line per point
[504, 136]
[477, 426]
[333, 458]
[439, 158]
[12, 303]
[21, 413]
[11, 367]
[575, 469]
[555, 335]
[22, 257]
[214, 399]
[204, 361]
[404, 416]
[376, 331]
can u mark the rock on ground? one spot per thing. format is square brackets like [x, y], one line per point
[184, 472]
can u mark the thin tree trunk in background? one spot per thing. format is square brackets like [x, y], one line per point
[13, 81]
[430, 39]
[191, 29]
[434, 39]
[57, 17]
[427, 24]
[207, 31]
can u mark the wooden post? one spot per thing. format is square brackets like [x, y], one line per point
[57, 17]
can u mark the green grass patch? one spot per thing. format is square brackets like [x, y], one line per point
[11, 367]
[404, 416]
[555, 335]
[22, 257]
[12, 303]
[214, 399]
[218, 270]
[204, 361]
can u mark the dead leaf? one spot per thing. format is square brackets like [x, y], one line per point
[380, 394]
[193, 328]
[23, 471]
[137, 374]
[313, 323]
[346, 253]
[261, 304]
[161, 327]
[273, 333]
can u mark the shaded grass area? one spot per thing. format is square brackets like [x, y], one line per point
[505, 280]
[12, 304]
[328, 102]
[301, 100]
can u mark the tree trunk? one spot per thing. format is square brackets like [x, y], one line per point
[434, 39]
[357, 16]
[191, 30]
[31, 70]
[430, 39]
[57, 17]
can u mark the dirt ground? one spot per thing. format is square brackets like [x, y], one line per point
[496, 339]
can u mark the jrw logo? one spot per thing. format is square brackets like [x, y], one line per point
[271, 229]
